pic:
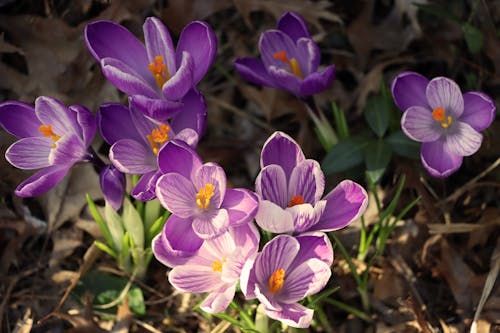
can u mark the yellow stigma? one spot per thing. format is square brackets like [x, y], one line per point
[204, 195]
[440, 116]
[296, 200]
[217, 266]
[157, 137]
[159, 71]
[276, 280]
[47, 131]
[293, 63]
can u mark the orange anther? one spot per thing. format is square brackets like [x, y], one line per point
[276, 280]
[296, 200]
[47, 131]
[281, 55]
[159, 71]
[438, 114]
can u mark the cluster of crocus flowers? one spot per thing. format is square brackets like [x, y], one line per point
[447, 122]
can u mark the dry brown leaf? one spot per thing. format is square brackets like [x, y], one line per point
[123, 318]
[65, 242]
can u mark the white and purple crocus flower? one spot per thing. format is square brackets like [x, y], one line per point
[201, 205]
[137, 140]
[216, 267]
[446, 121]
[155, 75]
[291, 187]
[287, 270]
[52, 137]
[289, 60]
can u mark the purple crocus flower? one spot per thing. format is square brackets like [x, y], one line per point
[446, 121]
[287, 270]
[291, 187]
[290, 60]
[216, 266]
[155, 74]
[196, 194]
[53, 137]
[137, 139]
[112, 184]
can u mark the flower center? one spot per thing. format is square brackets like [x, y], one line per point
[296, 200]
[159, 71]
[204, 195]
[157, 137]
[217, 266]
[440, 116]
[47, 131]
[293, 63]
[276, 280]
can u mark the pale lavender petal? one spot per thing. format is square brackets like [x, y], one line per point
[253, 70]
[218, 301]
[30, 153]
[271, 184]
[463, 139]
[281, 149]
[317, 82]
[294, 315]
[199, 40]
[286, 80]
[156, 108]
[419, 124]
[159, 43]
[42, 181]
[479, 110]
[438, 161]
[211, 225]
[115, 123]
[345, 203]
[195, 279]
[87, 123]
[179, 84]
[218, 248]
[52, 112]
[132, 157]
[293, 25]
[273, 218]
[177, 194]
[306, 216]
[308, 56]
[145, 189]
[189, 136]
[314, 245]
[69, 150]
[126, 78]
[193, 114]
[112, 184]
[177, 243]
[276, 41]
[246, 244]
[19, 119]
[248, 279]
[241, 205]
[211, 173]
[408, 89]
[308, 181]
[178, 157]
[444, 93]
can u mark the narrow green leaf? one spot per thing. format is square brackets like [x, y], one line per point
[157, 226]
[473, 37]
[377, 114]
[99, 220]
[133, 223]
[115, 226]
[377, 157]
[152, 211]
[403, 145]
[340, 122]
[344, 155]
[104, 248]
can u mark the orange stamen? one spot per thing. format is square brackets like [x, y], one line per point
[296, 200]
[293, 63]
[439, 115]
[204, 196]
[217, 266]
[47, 131]
[159, 71]
[276, 280]
[158, 136]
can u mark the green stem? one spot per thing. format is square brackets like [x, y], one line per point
[350, 309]
[347, 257]
[243, 315]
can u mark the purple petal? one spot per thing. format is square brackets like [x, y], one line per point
[130, 156]
[241, 205]
[293, 25]
[273, 218]
[198, 39]
[112, 184]
[213, 225]
[305, 216]
[52, 112]
[19, 119]
[115, 123]
[193, 114]
[248, 279]
[189, 136]
[345, 203]
[42, 181]
[178, 85]
[218, 301]
[69, 150]
[30, 153]
[176, 243]
[87, 123]
[145, 189]
[285, 80]
[195, 279]
[444, 93]
[308, 56]
[276, 41]
[438, 161]
[156, 108]
[479, 110]
[281, 149]
[178, 157]
[463, 139]
[418, 124]
[177, 194]
[246, 244]
[271, 184]
[253, 70]
[408, 89]
[126, 78]
[307, 180]
[317, 82]
[159, 43]
[106, 39]
[211, 173]
[278, 253]
[314, 245]
[294, 315]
